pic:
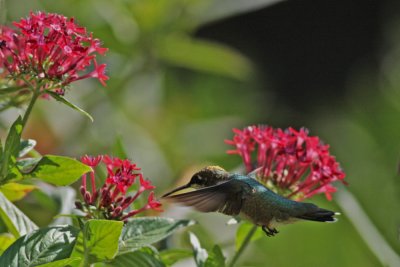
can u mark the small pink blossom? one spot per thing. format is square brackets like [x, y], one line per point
[51, 51]
[112, 199]
[296, 163]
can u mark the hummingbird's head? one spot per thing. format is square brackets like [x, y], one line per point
[206, 177]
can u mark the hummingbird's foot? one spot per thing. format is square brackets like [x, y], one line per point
[269, 231]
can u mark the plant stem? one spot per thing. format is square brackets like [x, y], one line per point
[35, 96]
[243, 245]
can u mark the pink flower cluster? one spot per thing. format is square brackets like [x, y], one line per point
[296, 163]
[111, 199]
[51, 51]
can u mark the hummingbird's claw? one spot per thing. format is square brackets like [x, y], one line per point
[269, 231]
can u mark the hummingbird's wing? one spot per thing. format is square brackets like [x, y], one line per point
[226, 197]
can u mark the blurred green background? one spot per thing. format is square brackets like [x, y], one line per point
[183, 73]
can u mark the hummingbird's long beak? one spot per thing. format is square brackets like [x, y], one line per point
[181, 188]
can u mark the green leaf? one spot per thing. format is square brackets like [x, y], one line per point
[58, 170]
[171, 256]
[140, 232]
[221, 9]
[41, 246]
[69, 104]
[204, 56]
[215, 258]
[16, 221]
[15, 191]
[144, 257]
[200, 254]
[98, 241]
[62, 263]
[242, 232]
[11, 149]
[6, 240]
[26, 146]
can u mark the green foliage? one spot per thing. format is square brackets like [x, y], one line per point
[40, 247]
[140, 232]
[15, 220]
[10, 153]
[15, 191]
[145, 257]
[69, 104]
[171, 256]
[98, 241]
[215, 258]
[5, 241]
[58, 170]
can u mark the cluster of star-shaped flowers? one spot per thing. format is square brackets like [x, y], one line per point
[291, 162]
[50, 51]
[112, 201]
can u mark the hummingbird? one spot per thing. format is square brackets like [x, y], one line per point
[213, 189]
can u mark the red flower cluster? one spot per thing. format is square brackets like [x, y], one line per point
[111, 200]
[297, 164]
[51, 51]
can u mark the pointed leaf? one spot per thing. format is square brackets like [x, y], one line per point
[140, 232]
[144, 257]
[98, 241]
[58, 170]
[16, 221]
[41, 246]
[171, 256]
[200, 254]
[215, 258]
[69, 104]
[6, 240]
[204, 56]
[15, 191]
[26, 146]
[11, 148]
[222, 9]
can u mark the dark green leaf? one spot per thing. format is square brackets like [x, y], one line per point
[205, 56]
[15, 191]
[171, 256]
[26, 146]
[41, 246]
[69, 104]
[11, 148]
[140, 232]
[144, 257]
[62, 263]
[6, 240]
[58, 170]
[200, 254]
[16, 221]
[98, 241]
[242, 231]
[215, 258]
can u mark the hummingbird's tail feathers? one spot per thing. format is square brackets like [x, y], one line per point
[319, 215]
